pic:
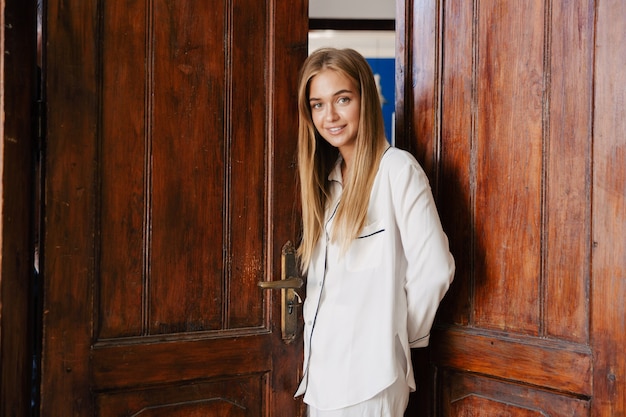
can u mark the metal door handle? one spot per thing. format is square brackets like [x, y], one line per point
[288, 284]
[291, 282]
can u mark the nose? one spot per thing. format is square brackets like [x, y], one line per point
[331, 114]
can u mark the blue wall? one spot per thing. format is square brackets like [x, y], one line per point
[386, 68]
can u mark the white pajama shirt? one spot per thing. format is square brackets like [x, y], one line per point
[365, 310]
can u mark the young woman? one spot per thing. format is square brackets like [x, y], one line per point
[376, 258]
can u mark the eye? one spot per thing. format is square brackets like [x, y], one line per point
[316, 106]
[343, 100]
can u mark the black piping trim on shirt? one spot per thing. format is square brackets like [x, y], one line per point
[371, 234]
[317, 308]
[419, 338]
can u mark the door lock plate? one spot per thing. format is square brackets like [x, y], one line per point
[289, 284]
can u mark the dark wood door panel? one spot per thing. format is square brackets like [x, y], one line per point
[552, 364]
[183, 168]
[236, 397]
[509, 83]
[477, 396]
[143, 363]
[515, 165]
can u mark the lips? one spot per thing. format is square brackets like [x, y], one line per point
[335, 130]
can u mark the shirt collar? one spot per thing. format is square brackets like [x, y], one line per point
[335, 173]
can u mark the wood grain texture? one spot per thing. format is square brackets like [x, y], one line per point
[568, 164]
[18, 160]
[287, 54]
[228, 397]
[475, 395]
[123, 174]
[553, 365]
[169, 196]
[519, 122]
[608, 289]
[508, 170]
[189, 186]
[70, 201]
[136, 365]
[457, 186]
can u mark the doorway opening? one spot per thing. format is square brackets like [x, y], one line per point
[36, 301]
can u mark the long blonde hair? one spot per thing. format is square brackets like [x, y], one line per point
[316, 157]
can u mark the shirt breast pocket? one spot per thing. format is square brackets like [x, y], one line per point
[366, 250]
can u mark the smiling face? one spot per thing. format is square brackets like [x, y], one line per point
[335, 109]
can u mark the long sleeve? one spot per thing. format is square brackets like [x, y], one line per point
[430, 265]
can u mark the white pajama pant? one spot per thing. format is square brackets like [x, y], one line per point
[391, 402]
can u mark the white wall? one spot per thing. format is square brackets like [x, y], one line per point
[352, 9]
[378, 44]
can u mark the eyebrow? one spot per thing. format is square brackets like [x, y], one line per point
[338, 93]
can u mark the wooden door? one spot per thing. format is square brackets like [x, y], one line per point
[170, 190]
[517, 112]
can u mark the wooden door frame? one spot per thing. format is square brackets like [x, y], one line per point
[17, 162]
